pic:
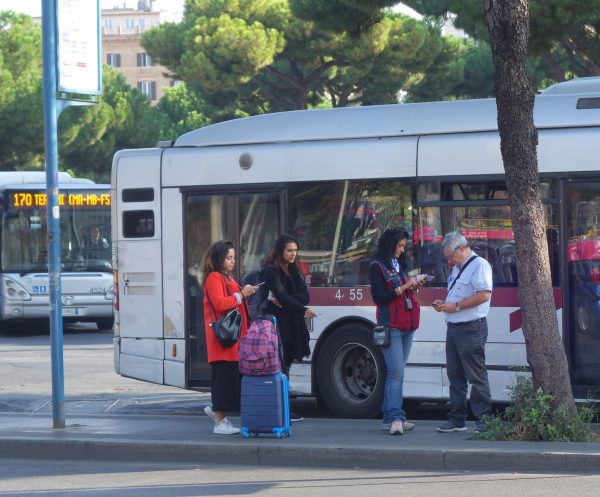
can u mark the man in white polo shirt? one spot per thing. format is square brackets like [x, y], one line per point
[466, 307]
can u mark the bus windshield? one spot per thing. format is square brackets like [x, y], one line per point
[84, 230]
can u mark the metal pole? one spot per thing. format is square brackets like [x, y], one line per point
[51, 142]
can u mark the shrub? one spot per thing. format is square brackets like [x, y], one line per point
[530, 417]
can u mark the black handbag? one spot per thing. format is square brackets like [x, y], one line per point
[381, 336]
[227, 328]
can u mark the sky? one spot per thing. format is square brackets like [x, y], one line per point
[171, 10]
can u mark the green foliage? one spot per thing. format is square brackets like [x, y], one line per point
[462, 69]
[90, 136]
[181, 111]
[531, 417]
[564, 33]
[256, 56]
[21, 116]
[354, 16]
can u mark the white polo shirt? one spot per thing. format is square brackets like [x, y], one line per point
[476, 277]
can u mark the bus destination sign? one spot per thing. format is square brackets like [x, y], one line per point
[25, 199]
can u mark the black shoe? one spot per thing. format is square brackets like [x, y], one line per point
[480, 426]
[295, 417]
[450, 426]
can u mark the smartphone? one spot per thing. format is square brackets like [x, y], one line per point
[261, 283]
[429, 277]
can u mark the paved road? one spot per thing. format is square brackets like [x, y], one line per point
[100, 478]
[91, 385]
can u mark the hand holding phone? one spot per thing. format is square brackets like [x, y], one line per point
[422, 278]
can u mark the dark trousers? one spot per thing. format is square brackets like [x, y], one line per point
[465, 362]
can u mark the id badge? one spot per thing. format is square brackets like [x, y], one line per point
[408, 303]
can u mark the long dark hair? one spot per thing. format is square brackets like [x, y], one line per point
[215, 257]
[386, 246]
[275, 257]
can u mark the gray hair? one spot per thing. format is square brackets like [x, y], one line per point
[453, 240]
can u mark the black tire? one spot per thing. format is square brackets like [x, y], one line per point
[105, 324]
[351, 373]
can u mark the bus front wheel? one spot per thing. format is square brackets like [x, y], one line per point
[351, 373]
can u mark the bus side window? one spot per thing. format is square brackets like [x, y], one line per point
[138, 224]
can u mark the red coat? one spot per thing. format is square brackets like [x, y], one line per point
[214, 286]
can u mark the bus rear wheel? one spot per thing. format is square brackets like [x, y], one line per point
[351, 373]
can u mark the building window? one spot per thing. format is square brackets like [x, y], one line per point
[113, 59]
[148, 88]
[142, 25]
[108, 24]
[144, 60]
[129, 23]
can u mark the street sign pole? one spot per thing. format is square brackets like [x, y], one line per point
[71, 48]
[51, 142]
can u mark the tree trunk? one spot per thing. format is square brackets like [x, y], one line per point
[508, 25]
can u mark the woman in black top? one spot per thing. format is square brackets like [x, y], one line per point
[288, 301]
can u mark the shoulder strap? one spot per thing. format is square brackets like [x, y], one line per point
[464, 266]
[212, 308]
[383, 271]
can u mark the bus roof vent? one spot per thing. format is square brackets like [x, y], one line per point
[579, 85]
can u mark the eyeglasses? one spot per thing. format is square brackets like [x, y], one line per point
[449, 257]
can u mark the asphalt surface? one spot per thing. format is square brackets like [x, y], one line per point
[316, 442]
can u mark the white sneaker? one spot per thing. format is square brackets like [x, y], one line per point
[225, 428]
[211, 414]
[396, 428]
[407, 425]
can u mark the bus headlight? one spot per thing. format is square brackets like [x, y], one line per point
[110, 293]
[11, 290]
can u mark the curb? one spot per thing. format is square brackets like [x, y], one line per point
[300, 455]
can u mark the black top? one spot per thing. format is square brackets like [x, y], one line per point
[291, 292]
[380, 291]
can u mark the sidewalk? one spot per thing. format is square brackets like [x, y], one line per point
[340, 443]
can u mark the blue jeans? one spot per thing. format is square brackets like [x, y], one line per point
[395, 355]
[465, 362]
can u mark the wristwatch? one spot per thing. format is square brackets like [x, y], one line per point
[457, 307]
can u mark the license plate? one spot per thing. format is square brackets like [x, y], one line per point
[70, 311]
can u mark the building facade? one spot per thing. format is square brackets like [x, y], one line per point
[122, 29]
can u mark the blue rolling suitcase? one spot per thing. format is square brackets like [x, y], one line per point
[265, 406]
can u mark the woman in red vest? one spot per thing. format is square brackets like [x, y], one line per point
[393, 293]
[221, 294]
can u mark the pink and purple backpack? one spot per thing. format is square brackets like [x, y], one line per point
[259, 349]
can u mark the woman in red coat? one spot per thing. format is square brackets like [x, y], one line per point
[221, 294]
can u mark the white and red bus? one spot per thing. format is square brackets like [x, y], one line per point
[337, 179]
[86, 270]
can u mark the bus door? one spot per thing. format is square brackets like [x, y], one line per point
[583, 257]
[252, 221]
[139, 346]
